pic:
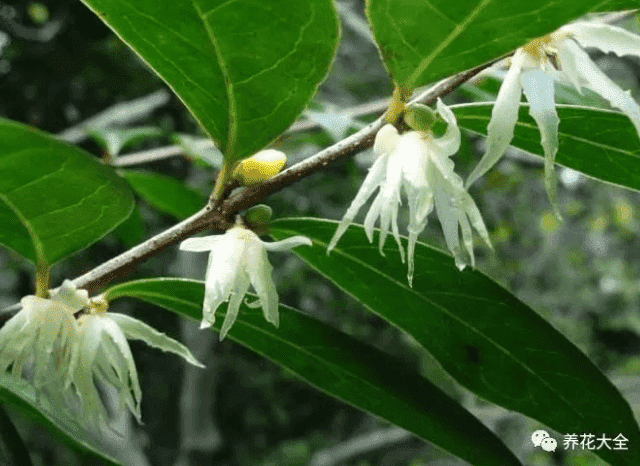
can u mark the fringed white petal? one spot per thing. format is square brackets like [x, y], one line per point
[371, 182]
[471, 209]
[605, 37]
[135, 329]
[70, 297]
[386, 140]
[503, 118]
[538, 88]
[233, 309]
[576, 62]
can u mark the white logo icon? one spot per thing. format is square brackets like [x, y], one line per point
[538, 436]
[549, 444]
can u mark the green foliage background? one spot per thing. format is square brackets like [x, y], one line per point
[579, 274]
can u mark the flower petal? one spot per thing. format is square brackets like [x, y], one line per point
[70, 297]
[503, 119]
[234, 306]
[371, 182]
[576, 63]
[386, 140]
[604, 37]
[135, 329]
[287, 244]
[449, 143]
[538, 88]
[259, 270]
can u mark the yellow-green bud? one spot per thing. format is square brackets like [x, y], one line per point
[260, 167]
[258, 214]
[420, 117]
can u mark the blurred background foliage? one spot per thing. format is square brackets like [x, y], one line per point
[59, 65]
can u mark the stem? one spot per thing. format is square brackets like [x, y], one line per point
[396, 104]
[221, 182]
[42, 280]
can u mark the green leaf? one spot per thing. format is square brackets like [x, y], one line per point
[13, 451]
[245, 69]
[487, 339]
[341, 367]
[200, 149]
[423, 41]
[22, 398]
[600, 143]
[166, 194]
[55, 199]
[113, 140]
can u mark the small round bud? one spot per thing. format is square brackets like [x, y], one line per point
[260, 167]
[258, 214]
[420, 117]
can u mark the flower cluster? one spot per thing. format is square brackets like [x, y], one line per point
[65, 344]
[418, 162]
[534, 67]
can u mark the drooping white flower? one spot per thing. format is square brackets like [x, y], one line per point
[237, 259]
[534, 67]
[103, 355]
[41, 339]
[420, 163]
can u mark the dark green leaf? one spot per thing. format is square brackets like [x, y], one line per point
[22, 399]
[423, 41]
[55, 199]
[166, 194]
[600, 143]
[342, 367]
[13, 451]
[245, 69]
[131, 231]
[488, 340]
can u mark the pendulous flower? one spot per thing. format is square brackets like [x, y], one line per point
[237, 259]
[103, 356]
[534, 67]
[38, 343]
[418, 162]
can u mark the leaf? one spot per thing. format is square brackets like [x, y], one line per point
[244, 69]
[22, 398]
[55, 199]
[341, 367]
[201, 149]
[166, 194]
[487, 339]
[113, 140]
[422, 41]
[597, 142]
[13, 451]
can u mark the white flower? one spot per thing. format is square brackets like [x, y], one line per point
[103, 355]
[237, 259]
[420, 163]
[40, 339]
[534, 67]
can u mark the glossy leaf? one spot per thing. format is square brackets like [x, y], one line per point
[55, 199]
[487, 339]
[13, 451]
[599, 143]
[341, 367]
[166, 194]
[423, 41]
[244, 69]
[21, 397]
[200, 149]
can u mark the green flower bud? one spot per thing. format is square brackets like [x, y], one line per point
[258, 214]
